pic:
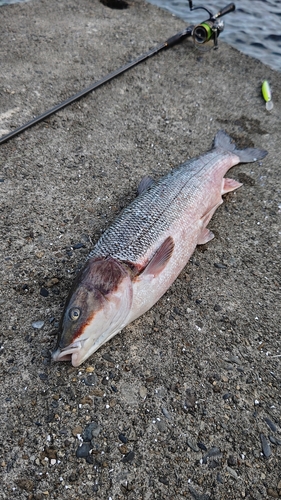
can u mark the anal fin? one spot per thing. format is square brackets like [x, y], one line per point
[229, 185]
[205, 236]
[160, 258]
[208, 215]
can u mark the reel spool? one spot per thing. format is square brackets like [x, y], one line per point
[205, 35]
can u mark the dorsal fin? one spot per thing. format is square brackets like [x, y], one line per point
[145, 183]
[160, 258]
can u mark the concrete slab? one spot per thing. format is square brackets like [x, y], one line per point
[185, 402]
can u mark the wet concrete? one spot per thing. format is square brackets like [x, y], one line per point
[179, 402]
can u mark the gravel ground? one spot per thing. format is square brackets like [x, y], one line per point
[185, 402]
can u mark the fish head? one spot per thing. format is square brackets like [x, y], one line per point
[95, 310]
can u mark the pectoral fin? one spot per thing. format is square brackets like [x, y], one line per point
[160, 258]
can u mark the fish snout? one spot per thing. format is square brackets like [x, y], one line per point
[70, 353]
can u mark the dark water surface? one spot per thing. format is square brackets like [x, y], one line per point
[254, 27]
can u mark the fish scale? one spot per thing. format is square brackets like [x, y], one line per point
[137, 259]
[151, 214]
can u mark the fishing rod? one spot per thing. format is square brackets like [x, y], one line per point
[203, 34]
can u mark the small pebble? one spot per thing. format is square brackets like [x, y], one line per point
[98, 393]
[51, 282]
[272, 493]
[265, 446]
[227, 396]
[73, 477]
[78, 245]
[166, 413]
[25, 484]
[77, 430]
[275, 440]
[90, 380]
[87, 400]
[123, 449]
[108, 358]
[123, 438]
[38, 324]
[143, 392]
[51, 453]
[83, 450]
[202, 446]
[129, 457]
[213, 452]
[270, 424]
[231, 461]
[213, 464]
[39, 254]
[91, 430]
[217, 307]
[44, 292]
[190, 398]
[161, 425]
[219, 478]
[164, 480]
[219, 265]
[233, 359]
[232, 472]
[198, 496]
[192, 444]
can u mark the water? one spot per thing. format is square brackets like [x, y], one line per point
[9, 2]
[254, 27]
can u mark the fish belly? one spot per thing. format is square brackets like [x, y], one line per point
[186, 234]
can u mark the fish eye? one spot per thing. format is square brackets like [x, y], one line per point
[74, 313]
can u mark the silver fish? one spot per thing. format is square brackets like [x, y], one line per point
[141, 254]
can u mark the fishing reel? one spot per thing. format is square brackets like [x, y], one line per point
[205, 35]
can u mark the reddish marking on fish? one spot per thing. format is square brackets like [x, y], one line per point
[83, 326]
[104, 275]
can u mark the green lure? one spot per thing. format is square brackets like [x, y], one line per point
[266, 93]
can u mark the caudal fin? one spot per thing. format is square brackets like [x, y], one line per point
[223, 141]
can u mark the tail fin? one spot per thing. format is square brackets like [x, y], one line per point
[223, 141]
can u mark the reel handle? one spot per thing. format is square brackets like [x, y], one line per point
[228, 8]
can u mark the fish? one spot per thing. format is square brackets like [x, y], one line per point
[141, 254]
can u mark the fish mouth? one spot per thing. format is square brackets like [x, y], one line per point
[70, 353]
